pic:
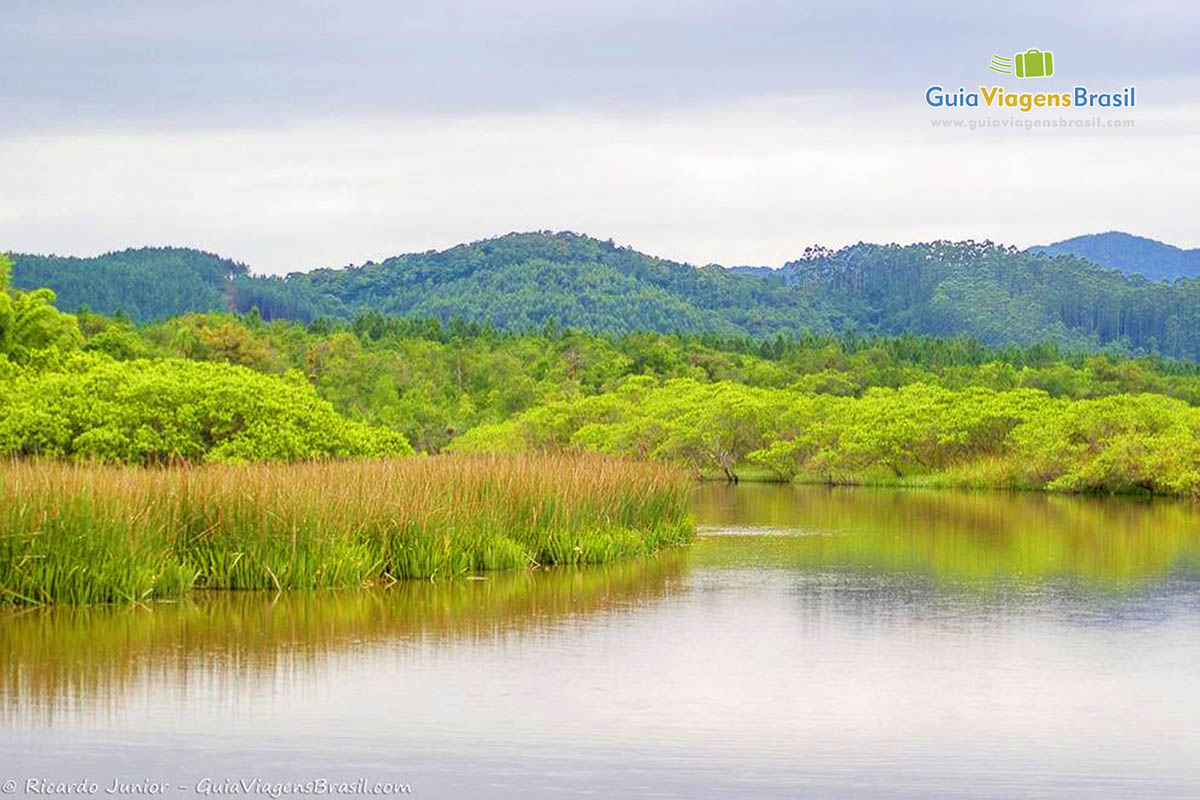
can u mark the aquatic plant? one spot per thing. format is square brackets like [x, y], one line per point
[74, 533]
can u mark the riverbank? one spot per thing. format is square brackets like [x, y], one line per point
[989, 473]
[98, 534]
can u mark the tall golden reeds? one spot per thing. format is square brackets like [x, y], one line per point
[89, 533]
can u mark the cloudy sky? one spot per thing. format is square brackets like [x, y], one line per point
[303, 134]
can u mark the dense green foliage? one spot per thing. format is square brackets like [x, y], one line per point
[918, 434]
[80, 534]
[1000, 296]
[30, 324]
[813, 407]
[522, 282]
[154, 411]
[144, 283]
[1135, 255]
[60, 396]
[434, 382]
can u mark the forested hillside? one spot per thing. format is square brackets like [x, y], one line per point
[145, 283]
[914, 410]
[999, 296]
[1135, 255]
[522, 282]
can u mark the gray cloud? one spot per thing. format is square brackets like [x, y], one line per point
[219, 62]
[301, 134]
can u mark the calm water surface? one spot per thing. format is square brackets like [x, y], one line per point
[811, 643]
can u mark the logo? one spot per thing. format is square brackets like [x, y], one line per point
[1033, 63]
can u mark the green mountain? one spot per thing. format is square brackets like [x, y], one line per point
[145, 283]
[998, 295]
[525, 280]
[1135, 255]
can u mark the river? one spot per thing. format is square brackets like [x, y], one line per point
[812, 642]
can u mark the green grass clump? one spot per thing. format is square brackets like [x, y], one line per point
[98, 534]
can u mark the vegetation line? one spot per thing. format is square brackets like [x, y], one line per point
[916, 435]
[99, 534]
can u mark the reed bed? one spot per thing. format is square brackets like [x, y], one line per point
[96, 534]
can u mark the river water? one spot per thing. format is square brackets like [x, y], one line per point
[812, 643]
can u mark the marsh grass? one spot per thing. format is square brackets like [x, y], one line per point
[88, 534]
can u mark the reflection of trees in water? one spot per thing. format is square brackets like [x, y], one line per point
[862, 552]
[954, 535]
[57, 659]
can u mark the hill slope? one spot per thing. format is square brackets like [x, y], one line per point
[146, 283]
[995, 294]
[1134, 255]
[523, 280]
[1000, 296]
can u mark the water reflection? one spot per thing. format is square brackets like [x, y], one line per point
[54, 660]
[813, 642]
[973, 539]
[856, 553]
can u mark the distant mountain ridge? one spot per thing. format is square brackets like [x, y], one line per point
[1133, 255]
[998, 295]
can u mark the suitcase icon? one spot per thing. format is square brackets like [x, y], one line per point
[1034, 63]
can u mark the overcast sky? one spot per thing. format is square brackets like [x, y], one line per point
[296, 135]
